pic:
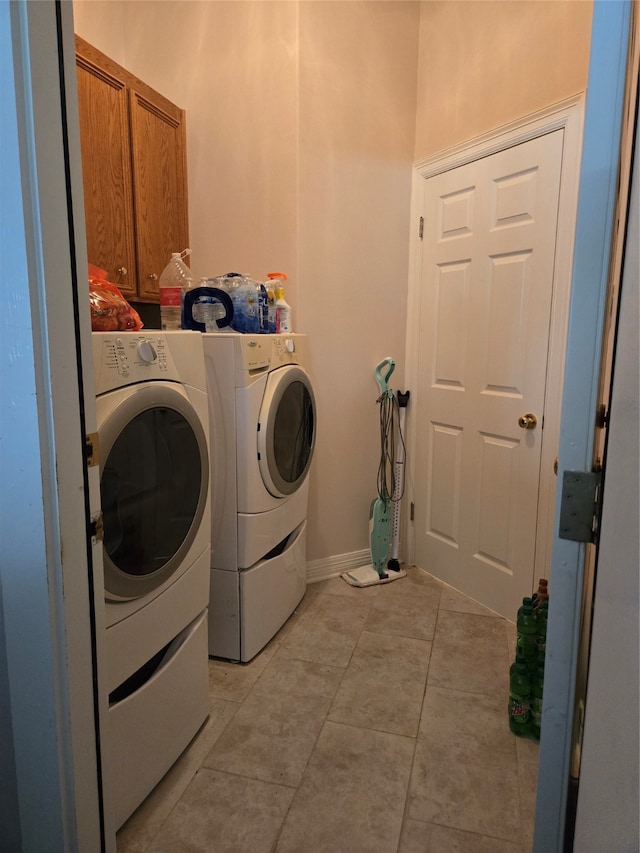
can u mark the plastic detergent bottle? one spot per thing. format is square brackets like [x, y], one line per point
[271, 306]
[283, 309]
[175, 278]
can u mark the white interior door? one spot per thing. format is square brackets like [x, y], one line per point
[485, 308]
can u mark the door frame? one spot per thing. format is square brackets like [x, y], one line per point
[51, 596]
[599, 187]
[566, 115]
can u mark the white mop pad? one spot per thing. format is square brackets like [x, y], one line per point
[368, 576]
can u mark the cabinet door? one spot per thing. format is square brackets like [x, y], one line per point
[159, 185]
[106, 173]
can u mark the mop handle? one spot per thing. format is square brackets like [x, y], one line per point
[383, 380]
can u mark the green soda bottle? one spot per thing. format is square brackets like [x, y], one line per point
[519, 699]
[541, 630]
[536, 703]
[526, 602]
[526, 636]
[520, 658]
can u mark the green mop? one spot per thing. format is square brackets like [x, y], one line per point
[390, 487]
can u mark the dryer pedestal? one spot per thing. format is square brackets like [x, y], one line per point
[248, 607]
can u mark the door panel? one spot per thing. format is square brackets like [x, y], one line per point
[159, 183]
[486, 290]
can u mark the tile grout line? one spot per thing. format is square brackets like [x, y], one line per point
[415, 745]
[276, 842]
[200, 767]
[521, 763]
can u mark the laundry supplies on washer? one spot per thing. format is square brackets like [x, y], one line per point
[284, 323]
[245, 296]
[258, 308]
[175, 278]
[270, 289]
[206, 308]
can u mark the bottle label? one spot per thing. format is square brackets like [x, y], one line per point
[536, 711]
[170, 297]
[518, 708]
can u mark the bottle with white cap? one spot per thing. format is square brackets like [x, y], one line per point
[175, 278]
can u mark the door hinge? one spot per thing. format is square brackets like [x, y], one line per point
[580, 506]
[421, 228]
[96, 527]
[602, 417]
[92, 449]
[412, 511]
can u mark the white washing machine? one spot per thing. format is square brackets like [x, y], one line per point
[153, 431]
[262, 419]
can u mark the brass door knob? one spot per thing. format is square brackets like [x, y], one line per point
[153, 276]
[527, 421]
[122, 270]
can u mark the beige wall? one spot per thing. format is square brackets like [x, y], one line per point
[101, 23]
[485, 64]
[303, 119]
[232, 67]
[357, 114]
[300, 134]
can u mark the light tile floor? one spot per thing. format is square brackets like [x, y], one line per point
[375, 722]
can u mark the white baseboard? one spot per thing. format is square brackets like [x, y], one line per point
[331, 567]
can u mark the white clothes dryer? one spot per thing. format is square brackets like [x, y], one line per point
[262, 419]
[153, 430]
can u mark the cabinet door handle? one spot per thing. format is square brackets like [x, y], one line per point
[122, 270]
[153, 277]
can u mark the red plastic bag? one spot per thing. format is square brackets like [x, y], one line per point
[110, 311]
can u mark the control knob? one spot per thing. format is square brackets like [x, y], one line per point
[146, 352]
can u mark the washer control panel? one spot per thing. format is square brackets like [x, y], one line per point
[136, 359]
[127, 358]
[257, 353]
[284, 346]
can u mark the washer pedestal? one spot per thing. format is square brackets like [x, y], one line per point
[175, 699]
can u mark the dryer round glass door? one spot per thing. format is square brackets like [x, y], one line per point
[153, 485]
[286, 430]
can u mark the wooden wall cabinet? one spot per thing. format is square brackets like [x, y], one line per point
[134, 170]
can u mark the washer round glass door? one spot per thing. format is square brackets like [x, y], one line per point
[286, 430]
[153, 486]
